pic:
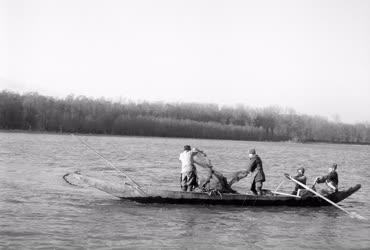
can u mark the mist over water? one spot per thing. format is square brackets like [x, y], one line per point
[39, 210]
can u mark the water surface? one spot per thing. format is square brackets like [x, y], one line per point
[38, 210]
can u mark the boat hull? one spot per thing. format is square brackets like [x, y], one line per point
[178, 197]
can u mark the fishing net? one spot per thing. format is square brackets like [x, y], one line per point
[210, 179]
[71, 179]
[118, 188]
[202, 160]
[204, 166]
[119, 184]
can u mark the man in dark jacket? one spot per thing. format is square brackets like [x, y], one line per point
[301, 178]
[255, 166]
[331, 179]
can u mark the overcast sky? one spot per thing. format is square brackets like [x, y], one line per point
[312, 56]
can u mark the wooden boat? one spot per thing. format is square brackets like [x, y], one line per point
[125, 191]
[178, 197]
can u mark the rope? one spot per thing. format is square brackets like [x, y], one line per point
[136, 185]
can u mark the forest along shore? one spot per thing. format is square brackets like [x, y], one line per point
[144, 136]
[34, 112]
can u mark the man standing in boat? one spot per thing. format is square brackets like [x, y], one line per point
[255, 166]
[188, 170]
[331, 179]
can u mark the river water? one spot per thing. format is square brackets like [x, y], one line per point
[39, 210]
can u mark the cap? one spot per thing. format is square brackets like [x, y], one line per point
[187, 147]
[301, 169]
[252, 151]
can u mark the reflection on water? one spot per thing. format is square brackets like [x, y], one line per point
[39, 210]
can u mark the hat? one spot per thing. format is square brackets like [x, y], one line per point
[301, 169]
[252, 151]
[187, 147]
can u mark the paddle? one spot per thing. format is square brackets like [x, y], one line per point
[136, 185]
[351, 214]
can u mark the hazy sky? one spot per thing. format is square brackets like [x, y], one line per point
[313, 56]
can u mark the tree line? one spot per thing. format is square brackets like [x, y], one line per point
[80, 114]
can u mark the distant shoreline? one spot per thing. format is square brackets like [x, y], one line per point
[20, 131]
[42, 114]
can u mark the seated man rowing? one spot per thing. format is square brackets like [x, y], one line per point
[331, 179]
[302, 179]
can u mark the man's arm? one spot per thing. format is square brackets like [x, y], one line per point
[322, 179]
[252, 165]
[238, 176]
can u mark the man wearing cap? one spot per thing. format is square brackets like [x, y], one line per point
[255, 166]
[188, 171]
[331, 179]
[301, 178]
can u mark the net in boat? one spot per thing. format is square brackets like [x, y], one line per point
[209, 178]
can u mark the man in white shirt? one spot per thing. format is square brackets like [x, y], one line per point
[188, 170]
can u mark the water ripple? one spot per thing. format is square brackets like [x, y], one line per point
[38, 210]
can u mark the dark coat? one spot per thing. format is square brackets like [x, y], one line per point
[301, 179]
[331, 177]
[255, 164]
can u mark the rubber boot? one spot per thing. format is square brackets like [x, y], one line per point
[259, 191]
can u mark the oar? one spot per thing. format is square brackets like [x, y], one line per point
[136, 185]
[351, 214]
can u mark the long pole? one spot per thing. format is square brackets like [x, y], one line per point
[137, 186]
[352, 214]
[279, 186]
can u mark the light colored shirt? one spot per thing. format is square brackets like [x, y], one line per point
[187, 160]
